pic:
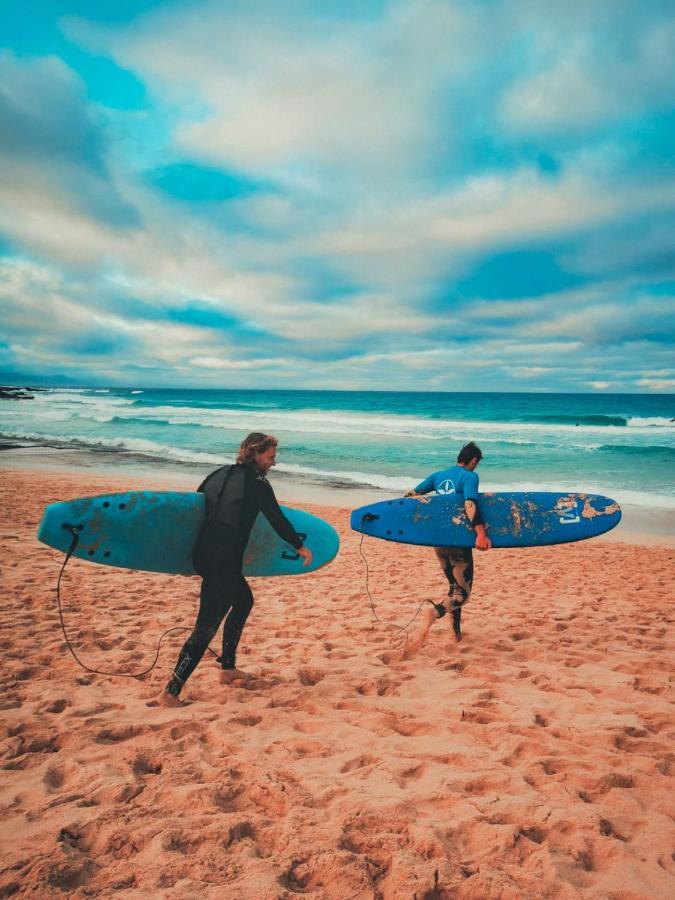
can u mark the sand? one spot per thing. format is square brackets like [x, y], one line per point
[534, 759]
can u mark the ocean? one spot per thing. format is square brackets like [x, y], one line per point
[621, 445]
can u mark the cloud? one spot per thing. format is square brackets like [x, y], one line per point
[447, 232]
[43, 110]
[606, 322]
[50, 140]
[615, 61]
[657, 384]
[298, 89]
[406, 193]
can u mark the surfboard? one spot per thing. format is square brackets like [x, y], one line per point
[517, 519]
[155, 531]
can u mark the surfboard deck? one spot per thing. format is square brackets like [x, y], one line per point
[155, 531]
[515, 519]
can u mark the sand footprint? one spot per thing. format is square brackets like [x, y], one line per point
[118, 734]
[54, 777]
[247, 721]
[144, 764]
[359, 762]
[413, 773]
[56, 706]
[300, 748]
[407, 726]
[310, 676]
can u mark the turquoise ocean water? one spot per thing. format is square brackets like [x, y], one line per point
[619, 445]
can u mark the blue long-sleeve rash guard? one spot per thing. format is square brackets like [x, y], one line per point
[456, 480]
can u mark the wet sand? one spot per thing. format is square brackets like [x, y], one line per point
[534, 759]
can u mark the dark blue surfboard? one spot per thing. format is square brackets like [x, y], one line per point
[515, 519]
[155, 531]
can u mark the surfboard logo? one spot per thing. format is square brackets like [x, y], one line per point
[568, 512]
[446, 487]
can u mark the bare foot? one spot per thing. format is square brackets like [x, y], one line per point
[429, 616]
[169, 701]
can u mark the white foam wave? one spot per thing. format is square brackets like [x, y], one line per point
[392, 484]
[374, 425]
[265, 416]
[66, 398]
[651, 422]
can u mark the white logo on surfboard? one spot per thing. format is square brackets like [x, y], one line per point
[568, 512]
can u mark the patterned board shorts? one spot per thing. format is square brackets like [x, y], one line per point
[457, 563]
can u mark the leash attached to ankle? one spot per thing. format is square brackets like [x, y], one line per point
[440, 609]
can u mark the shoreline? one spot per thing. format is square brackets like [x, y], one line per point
[638, 526]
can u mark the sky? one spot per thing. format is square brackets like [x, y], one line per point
[408, 195]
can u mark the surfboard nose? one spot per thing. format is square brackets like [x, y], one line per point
[360, 518]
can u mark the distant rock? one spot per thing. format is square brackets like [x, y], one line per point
[13, 393]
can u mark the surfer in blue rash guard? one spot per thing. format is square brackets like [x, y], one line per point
[234, 497]
[456, 562]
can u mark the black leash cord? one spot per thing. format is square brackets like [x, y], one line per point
[403, 628]
[73, 545]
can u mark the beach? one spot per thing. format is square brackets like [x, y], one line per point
[534, 759]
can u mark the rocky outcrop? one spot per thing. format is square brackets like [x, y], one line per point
[14, 393]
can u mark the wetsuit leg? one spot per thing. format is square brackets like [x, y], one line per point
[214, 602]
[457, 563]
[242, 603]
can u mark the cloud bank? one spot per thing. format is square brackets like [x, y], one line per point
[411, 195]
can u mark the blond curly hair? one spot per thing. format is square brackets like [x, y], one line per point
[254, 443]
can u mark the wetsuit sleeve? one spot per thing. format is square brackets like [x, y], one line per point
[267, 503]
[425, 486]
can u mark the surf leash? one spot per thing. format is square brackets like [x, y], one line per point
[75, 532]
[369, 517]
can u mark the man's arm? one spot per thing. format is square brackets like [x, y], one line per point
[472, 510]
[424, 487]
[272, 511]
[483, 542]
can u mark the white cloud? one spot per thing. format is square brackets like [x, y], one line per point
[51, 143]
[654, 384]
[221, 362]
[284, 84]
[607, 321]
[354, 124]
[412, 242]
[596, 75]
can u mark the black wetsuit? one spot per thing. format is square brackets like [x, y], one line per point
[234, 497]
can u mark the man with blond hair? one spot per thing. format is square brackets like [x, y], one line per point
[234, 496]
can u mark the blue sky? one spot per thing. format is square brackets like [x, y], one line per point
[380, 195]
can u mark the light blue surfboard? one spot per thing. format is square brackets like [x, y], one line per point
[155, 531]
[516, 519]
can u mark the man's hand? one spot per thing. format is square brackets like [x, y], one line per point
[483, 542]
[415, 496]
[306, 554]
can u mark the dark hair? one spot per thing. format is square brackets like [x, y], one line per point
[256, 442]
[468, 452]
